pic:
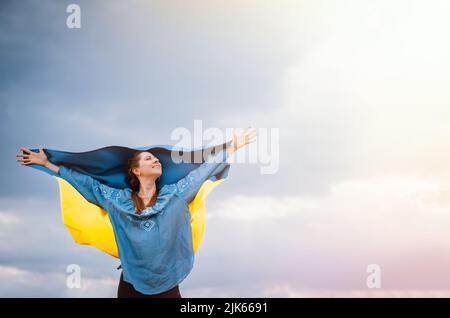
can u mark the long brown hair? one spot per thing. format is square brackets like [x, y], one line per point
[133, 181]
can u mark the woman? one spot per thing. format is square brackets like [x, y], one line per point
[152, 228]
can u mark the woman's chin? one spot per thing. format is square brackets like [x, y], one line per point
[158, 174]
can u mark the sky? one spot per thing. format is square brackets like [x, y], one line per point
[357, 89]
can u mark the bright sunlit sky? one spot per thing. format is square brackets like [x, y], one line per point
[359, 91]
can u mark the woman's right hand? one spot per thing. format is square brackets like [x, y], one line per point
[31, 157]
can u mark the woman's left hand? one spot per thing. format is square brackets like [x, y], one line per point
[240, 140]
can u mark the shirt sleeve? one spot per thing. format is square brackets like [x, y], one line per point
[215, 167]
[91, 189]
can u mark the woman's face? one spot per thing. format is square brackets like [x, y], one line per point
[149, 166]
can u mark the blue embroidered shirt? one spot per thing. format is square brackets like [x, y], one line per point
[155, 247]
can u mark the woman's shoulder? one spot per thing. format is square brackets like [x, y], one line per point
[116, 194]
[127, 190]
[124, 200]
[167, 189]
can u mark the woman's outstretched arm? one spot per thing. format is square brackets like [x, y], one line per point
[188, 186]
[91, 189]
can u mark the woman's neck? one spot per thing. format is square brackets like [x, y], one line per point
[147, 189]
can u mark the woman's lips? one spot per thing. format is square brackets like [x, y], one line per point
[156, 165]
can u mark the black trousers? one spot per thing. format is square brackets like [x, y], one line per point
[126, 290]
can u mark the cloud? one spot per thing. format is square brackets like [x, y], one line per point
[17, 282]
[365, 97]
[325, 243]
[36, 248]
[287, 291]
[7, 218]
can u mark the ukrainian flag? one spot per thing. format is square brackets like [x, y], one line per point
[88, 223]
